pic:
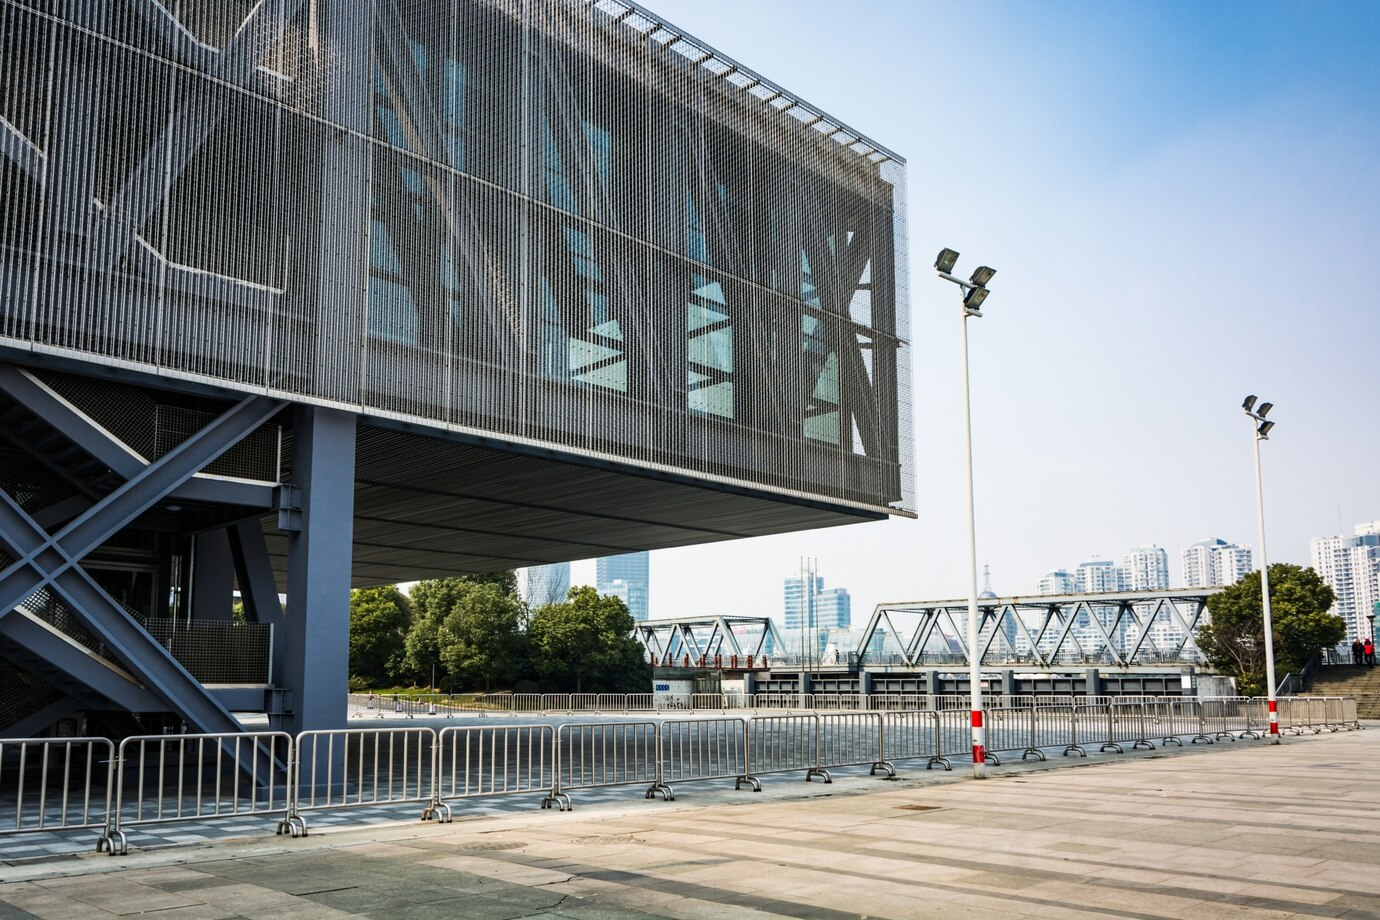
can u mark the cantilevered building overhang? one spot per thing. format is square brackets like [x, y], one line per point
[295, 296]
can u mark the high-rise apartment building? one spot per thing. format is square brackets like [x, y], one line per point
[628, 577]
[1213, 563]
[1145, 568]
[1099, 576]
[1351, 565]
[545, 584]
[1060, 581]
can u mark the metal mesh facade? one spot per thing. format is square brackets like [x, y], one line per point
[561, 224]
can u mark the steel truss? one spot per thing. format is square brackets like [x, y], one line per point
[48, 559]
[708, 637]
[1066, 628]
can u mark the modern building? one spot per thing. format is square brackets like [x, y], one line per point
[799, 594]
[1099, 576]
[1351, 565]
[545, 584]
[627, 576]
[1060, 581]
[811, 609]
[1214, 562]
[296, 297]
[1145, 568]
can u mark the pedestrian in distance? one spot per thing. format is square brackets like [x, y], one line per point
[1357, 651]
[1369, 650]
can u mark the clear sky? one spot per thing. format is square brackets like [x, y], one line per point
[1182, 201]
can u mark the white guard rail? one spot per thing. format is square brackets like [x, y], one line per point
[593, 754]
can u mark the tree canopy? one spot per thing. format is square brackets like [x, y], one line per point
[482, 638]
[585, 644]
[379, 620]
[1233, 641]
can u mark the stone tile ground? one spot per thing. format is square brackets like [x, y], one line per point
[1235, 831]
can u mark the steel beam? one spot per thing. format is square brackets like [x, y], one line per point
[96, 676]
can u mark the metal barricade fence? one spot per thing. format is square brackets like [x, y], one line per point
[1176, 719]
[639, 702]
[1130, 723]
[1317, 713]
[493, 760]
[583, 702]
[594, 754]
[1332, 713]
[896, 702]
[1092, 724]
[951, 701]
[162, 779]
[737, 701]
[786, 701]
[51, 784]
[525, 703]
[1054, 726]
[838, 702]
[695, 750]
[783, 744]
[1225, 718]
[846, 739]
[1011, 729]
[954, 734]
[1350, 715]
[910, 734]
[555, 702]
[703, 701]
[353, 768]
[1293, 715]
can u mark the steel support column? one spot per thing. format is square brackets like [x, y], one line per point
[315, 640]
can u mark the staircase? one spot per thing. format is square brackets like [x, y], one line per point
[1348, 680]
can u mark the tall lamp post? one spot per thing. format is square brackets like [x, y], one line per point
[974, 292]
[1261, 432]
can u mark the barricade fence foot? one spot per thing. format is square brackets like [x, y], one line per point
[1112, 746]
[941, 761]
[1033, 752]
[660, 789]
[752, 781]
[1149, 745]
[560, 800]
[1170, 739]
[883, 765]
[1201, 739]
[811, 773]
[1227, 736]
[113, 841]
[1075, 749]
[991, 758]
[439, 811]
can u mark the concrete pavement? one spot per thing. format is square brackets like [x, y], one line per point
[1238, 830]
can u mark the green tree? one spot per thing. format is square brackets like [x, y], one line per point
[504, 579]
[432, 602]
[482, 638]
[585, 644]
[1233, 641]
[379, 618]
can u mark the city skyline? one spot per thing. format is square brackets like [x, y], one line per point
[1158, 233]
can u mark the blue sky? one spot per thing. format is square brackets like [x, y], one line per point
[1182, 203]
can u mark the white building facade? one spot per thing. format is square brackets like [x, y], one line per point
[1213, 563]
[1351, 565]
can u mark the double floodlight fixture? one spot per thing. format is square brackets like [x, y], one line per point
[974, 289]
[1262, 430]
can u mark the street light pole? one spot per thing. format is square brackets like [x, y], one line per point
[1261, 432]
[974, 293]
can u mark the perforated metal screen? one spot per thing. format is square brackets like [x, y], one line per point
[556, 223]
